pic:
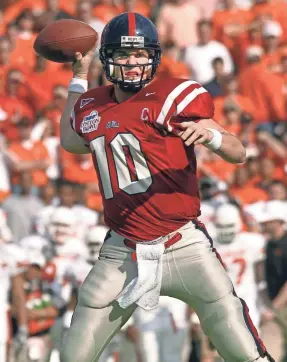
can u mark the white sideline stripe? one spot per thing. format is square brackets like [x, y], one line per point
[170, 99]
[73, 119]
[189, 98]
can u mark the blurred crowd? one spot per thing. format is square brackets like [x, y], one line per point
[237, 49]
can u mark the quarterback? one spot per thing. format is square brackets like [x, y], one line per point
[141, 133]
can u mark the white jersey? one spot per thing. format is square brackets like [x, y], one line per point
[170, 313]
[69, 268]
[12, 262]
[240, 258]
[80, 270]
[58, 272]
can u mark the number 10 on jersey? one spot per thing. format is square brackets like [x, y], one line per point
[124, 179]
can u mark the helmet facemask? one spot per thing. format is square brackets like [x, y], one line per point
[226, 233]
[147, 70]
[228, 223]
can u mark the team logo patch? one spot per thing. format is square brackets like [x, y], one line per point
[90, 123]
[113, 124]
[86, 101]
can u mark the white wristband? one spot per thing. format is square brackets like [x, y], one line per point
[78, 85]
[216, 141]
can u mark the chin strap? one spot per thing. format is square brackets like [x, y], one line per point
[130, 88]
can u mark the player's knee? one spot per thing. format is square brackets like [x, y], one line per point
[220, 311]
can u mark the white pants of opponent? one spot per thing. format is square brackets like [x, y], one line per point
[192, 273]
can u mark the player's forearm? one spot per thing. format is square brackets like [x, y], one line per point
[208, 132]
[70, 141]
[231, 149]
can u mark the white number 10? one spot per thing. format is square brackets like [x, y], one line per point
[125, 183]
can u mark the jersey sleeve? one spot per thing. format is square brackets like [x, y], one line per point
[75, 121]
[187, 101]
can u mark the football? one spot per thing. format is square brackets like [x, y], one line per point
[60, 40]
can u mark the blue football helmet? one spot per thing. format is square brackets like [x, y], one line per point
[129, 30]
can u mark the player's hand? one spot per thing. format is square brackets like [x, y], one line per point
[193, 133]
[82, 63]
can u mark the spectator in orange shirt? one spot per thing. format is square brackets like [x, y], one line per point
[269, 173]
[13, 107]
[215, 86]
[211, 165]
[229, 22]
[105, 10]
[271, 147]
[27, 155]
[80, 170]
[37, 6]
[231, 119]
[252, 38]
[232, 97]
[266, 92]
[170, 65]
[53, 12]
[252, 166]
[32, 94]
[43, 131]
[276, 10]
[246, 134]
[44, 76]
[23, 52]
[172, 22]
[53, 110]
[84, 12]
[244, 193]
[271, 32]
[137, 6]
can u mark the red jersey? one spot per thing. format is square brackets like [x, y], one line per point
[147, 176]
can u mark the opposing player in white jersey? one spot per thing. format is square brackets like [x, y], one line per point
[94, 241]
[241, 253]
[163, 332]
[85, 217]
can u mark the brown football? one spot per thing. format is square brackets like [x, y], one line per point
[60, 40]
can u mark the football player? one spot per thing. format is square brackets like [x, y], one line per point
[141, 133]
[86, 217]
[94, 241]
[66, 262]
[243, 255]
[163, 332]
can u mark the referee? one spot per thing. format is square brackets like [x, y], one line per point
[274, 316]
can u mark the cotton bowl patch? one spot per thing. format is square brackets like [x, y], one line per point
[90, 123]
